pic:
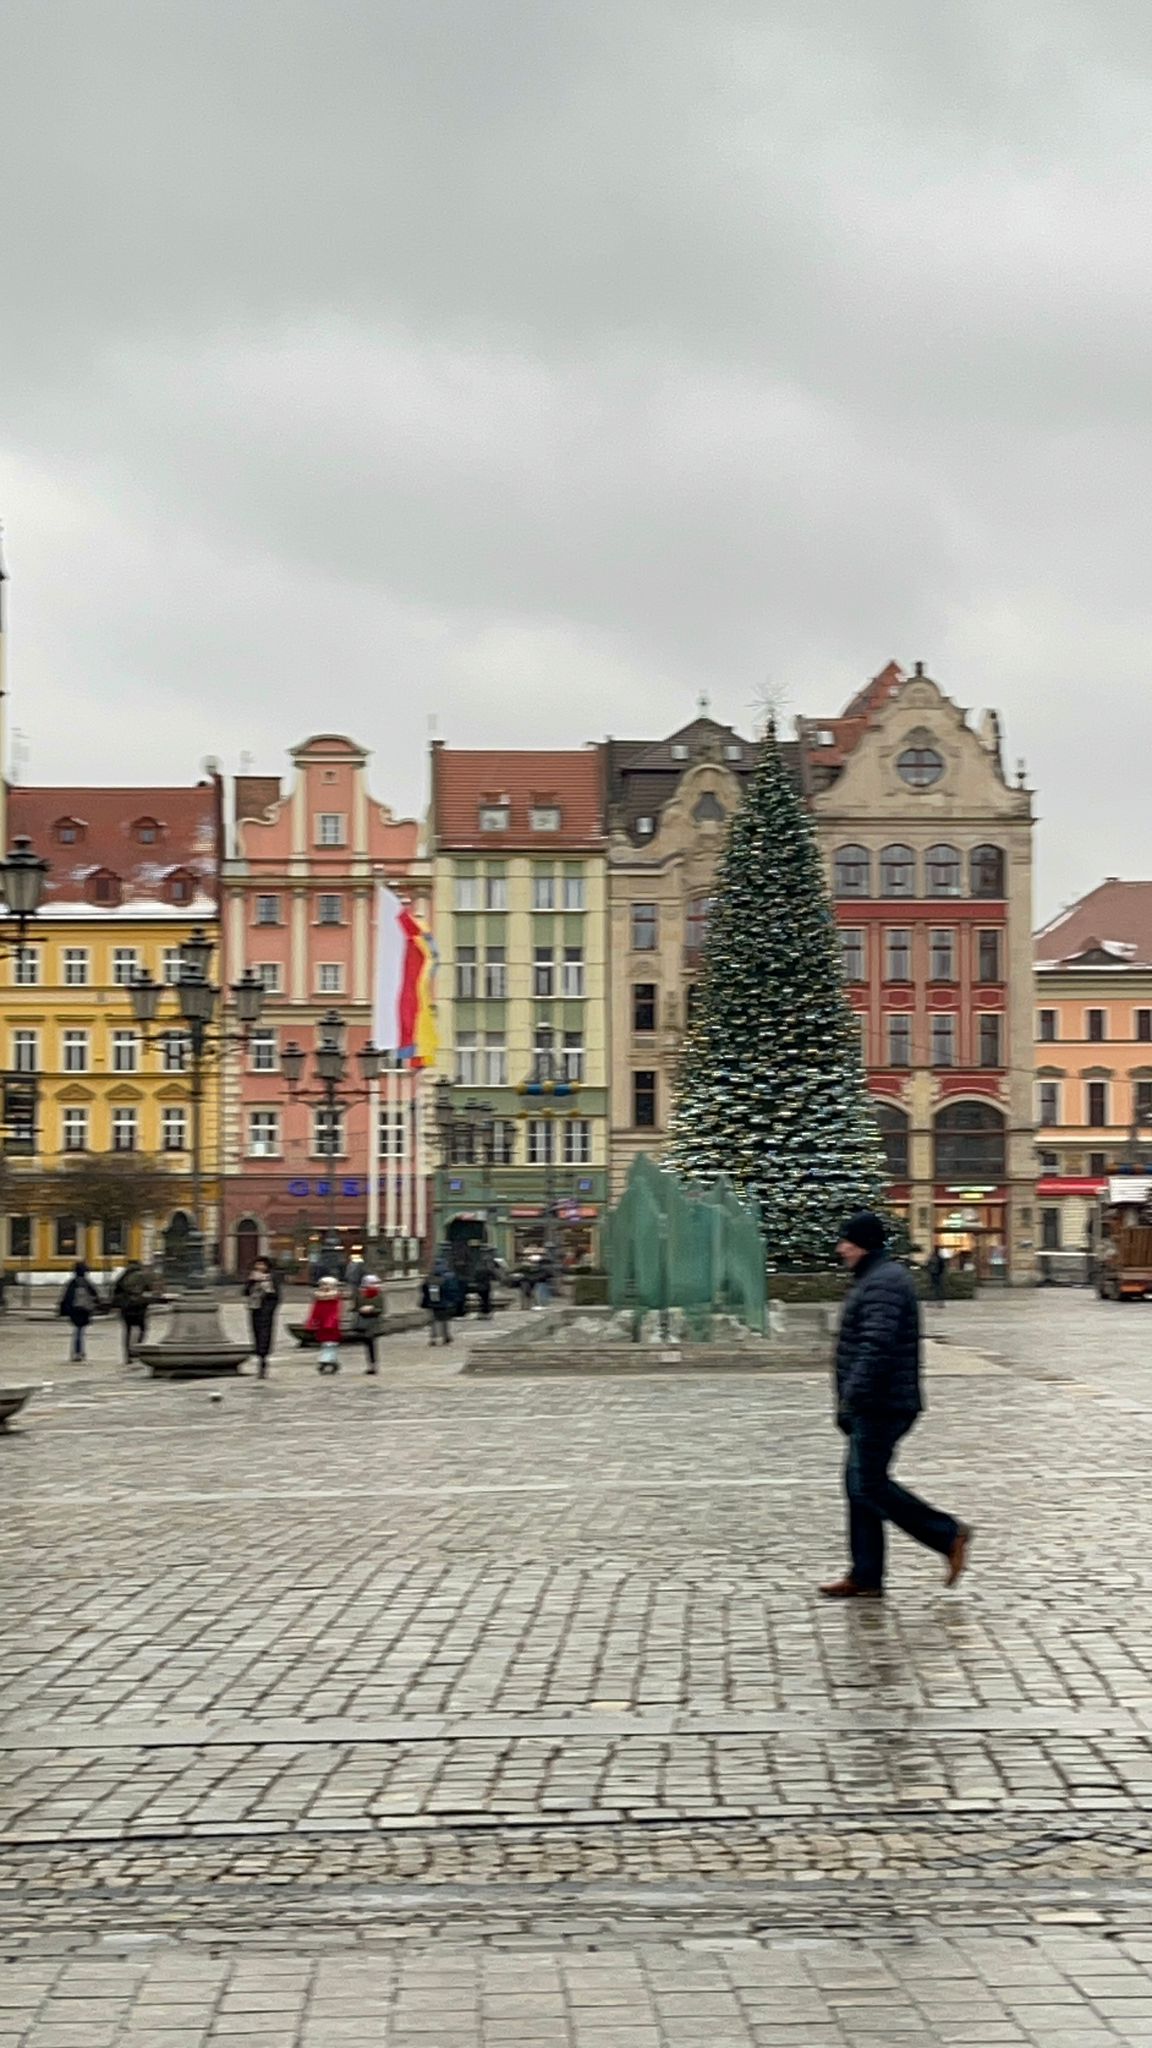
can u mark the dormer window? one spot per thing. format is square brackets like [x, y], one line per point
[180, 886]
[68, 831]
[494, 815]
[645, 827]
[733, 753]
[146, 831]
[105, 888]
[545, 816]
[679, 751]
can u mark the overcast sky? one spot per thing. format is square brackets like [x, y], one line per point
[534, 365]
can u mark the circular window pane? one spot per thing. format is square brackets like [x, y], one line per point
[921, 766]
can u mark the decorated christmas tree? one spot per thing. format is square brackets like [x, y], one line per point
[772, 1090]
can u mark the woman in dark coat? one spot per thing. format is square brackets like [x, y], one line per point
[262, 1292]
[78, 1305]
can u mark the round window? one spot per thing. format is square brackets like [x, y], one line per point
[920, 766]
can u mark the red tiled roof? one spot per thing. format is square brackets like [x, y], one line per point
[1115, 914]
[463, 780]
[850, 728]
[187, 818]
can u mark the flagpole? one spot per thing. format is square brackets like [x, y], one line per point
[420, 1168]
[393, 1165]
[374, 1169]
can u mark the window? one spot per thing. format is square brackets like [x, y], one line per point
[943, 1041]
[268, 910]
[330, 829]
[577, 1141]
[898, 966]
[899, 1040]
[125, 1052]
[175, 1052]
[20, 1237]
[392, 1131]
[1097, 1096]
[263, 1051]
[572, 1065]
[173, 966]
[25, 1052]
[462, 1147]
[1142, 1103]
[330, 978]
[942, 949]
[1048, 1104]
[897, 871]
[572, 973]
[988, 956]
[468, 893]
[645, 924]
[644, 1006]
[467, 1060]
[1097, 1162]
[733, 753]
[543, 971]
[113, 1240]
[504, 1142]
[852, 871]
[104, 887]
[123, 1130]
[263, 1134]
[543, 889]
[698, 919]
[125, 966]
[495, 1060]
[691, 1001]
[75, 966]
[74, 1130]
[1143, 1026]
[989, 1042]
[1096, 1030]
[1050, 1230]
[541, 1141]
[545, 818]
[329, 910]
[67, 1237]
[465, 972]
[574, 894]
[920, 767]
[892, 1125]
[68, 831]
[493, 817]
[496, 892]
[270, 975]
[328, 1133]
[679, 751]
[986, 868]
[942, 871]
[644, 1099]
[969, 1144]
[495, 974]
[180, 886]
[708, 810]
[146, 831]
[852, 955]
[173, 1129]
[1049, 1162]
[1048, 1027]
[645, 827]
[26, 967]
[75, 1052]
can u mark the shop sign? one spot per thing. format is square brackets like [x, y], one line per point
[354, 1190]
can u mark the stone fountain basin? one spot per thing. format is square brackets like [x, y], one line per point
[12, 1400]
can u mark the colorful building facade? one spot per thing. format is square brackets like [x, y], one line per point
[299, 890]
[133, 873]
[521, 923]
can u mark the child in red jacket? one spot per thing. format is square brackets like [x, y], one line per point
[324, 1324]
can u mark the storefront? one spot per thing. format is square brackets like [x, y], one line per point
[971, 1225]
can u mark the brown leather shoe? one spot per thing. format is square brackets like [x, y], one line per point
[958, 1555]
[847, 1589]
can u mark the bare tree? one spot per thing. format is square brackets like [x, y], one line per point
[105, 1188]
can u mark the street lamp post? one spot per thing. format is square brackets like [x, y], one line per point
[23, 879]
[330, 1064]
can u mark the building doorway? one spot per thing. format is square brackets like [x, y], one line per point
[247, 1246]
[177, 1250]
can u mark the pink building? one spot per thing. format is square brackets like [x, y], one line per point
[298, 906]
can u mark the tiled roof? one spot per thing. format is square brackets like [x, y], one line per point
[463, 780]
[107, 838]
[846, 732]
[1115, 918]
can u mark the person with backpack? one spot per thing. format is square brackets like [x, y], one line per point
[132, 1297]
[262, 1293]
[441, 1296]
[78, 1304]
[324, 1323]
[368, 1307]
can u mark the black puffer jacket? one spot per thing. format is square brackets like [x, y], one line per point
[878, 1349]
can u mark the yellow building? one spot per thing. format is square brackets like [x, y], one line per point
[133, 872]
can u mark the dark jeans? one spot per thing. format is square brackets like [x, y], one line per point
[875, 1498]
[135, 1330]
[369, 1342]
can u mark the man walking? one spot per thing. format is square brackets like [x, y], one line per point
[877, 1401]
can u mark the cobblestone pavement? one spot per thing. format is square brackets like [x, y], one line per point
[435, 1709]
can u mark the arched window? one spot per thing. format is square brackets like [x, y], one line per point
[104, 887]
[987, 871]
[897, 871]
[942, 871]
[853, 870]
[969, 1144]
[892, 1125]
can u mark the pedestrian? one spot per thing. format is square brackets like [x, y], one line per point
[262, 1293]
[543, 1283]
[484, 1286]
[526, 1281]
[324, 1323]
[937, 1271]
[878, 1399]
[132, 1297]
[440, 1295]
[78, 1304]
[369, 1307]
[356, 1271]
